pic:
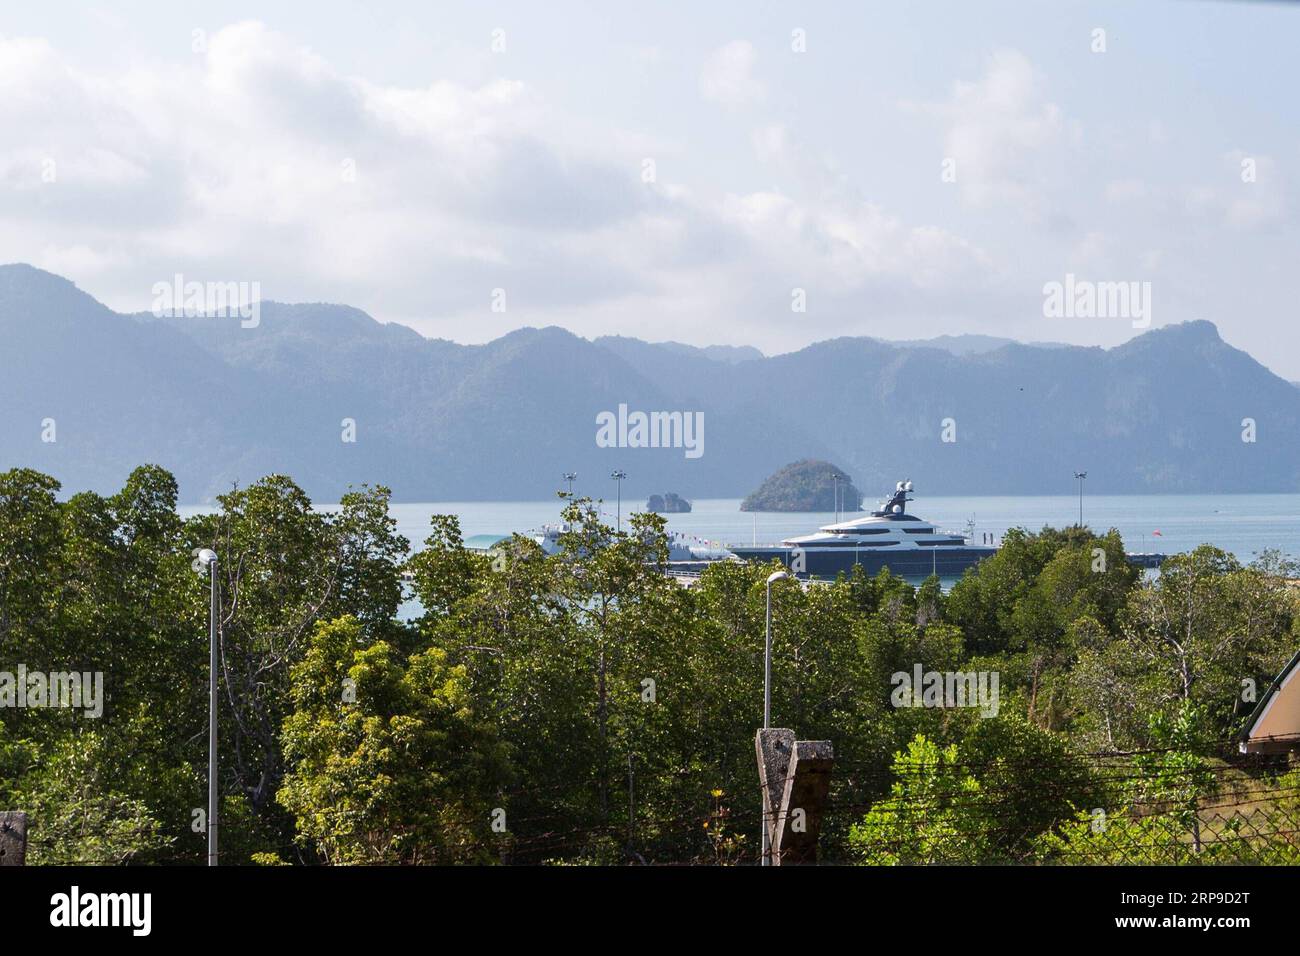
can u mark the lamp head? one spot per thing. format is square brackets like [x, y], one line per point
[207, 556]
[777, 576]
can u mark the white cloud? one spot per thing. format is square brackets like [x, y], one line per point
[844, 245]
[1126, 190]
[728, 76]
[260, 156]
[261, 161]
[1255, 197]
[1002, 131]
[1246, 192]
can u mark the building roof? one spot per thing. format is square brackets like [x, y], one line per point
[484, 542]
[1274, 725]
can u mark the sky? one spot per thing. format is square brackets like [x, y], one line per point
[725, 173]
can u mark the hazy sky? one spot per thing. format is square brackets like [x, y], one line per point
[386, 156]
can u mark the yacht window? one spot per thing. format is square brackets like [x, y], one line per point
[812, 545]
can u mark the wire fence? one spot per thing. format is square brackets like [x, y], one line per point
[1138, 808]
[1157, 806]
[1261, 828]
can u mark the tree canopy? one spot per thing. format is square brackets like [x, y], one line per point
[583, 706]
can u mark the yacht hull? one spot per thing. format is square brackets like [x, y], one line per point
[910, 563]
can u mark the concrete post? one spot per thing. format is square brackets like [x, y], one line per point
[804, 799]
[774, 747]
[795, 777]
[13, 838]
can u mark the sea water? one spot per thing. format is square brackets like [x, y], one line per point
[1244, 525]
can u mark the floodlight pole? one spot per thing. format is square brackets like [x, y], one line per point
[569, 476]
[213, 623]
[767, 701]
[618, 477]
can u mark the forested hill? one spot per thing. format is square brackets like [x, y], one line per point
[86, 394]
[805, 486]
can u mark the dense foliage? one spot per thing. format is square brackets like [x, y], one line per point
[584, 707]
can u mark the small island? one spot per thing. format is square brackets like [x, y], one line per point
[671, 503]
[807, 485]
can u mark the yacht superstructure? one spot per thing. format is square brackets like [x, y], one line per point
[887, 537]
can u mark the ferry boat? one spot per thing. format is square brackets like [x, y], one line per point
[685, 552]
[888, 537]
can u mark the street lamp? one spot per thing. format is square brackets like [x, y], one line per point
[208, 558]
[767, 694]
[618, 477]
[1081, 475]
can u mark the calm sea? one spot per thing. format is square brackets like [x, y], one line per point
[1245, 525]
[1241, 524]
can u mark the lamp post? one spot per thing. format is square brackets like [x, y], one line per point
[767, 696]
[1081, 475]
[835, 478]
[618, 477]
[208, 558]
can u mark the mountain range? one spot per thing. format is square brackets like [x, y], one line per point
[218, 404]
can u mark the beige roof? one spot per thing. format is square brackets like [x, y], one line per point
[1274, 727]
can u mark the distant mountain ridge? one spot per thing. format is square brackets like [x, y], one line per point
[435, 420]
[720, 353]
[968, 344]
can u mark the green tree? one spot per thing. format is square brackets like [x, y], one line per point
[1201, 629]
[76, 813]
[936, 812]
[1030, 777]
[388, 761]
[285, 566]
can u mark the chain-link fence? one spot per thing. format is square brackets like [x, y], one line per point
[1152, 808]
